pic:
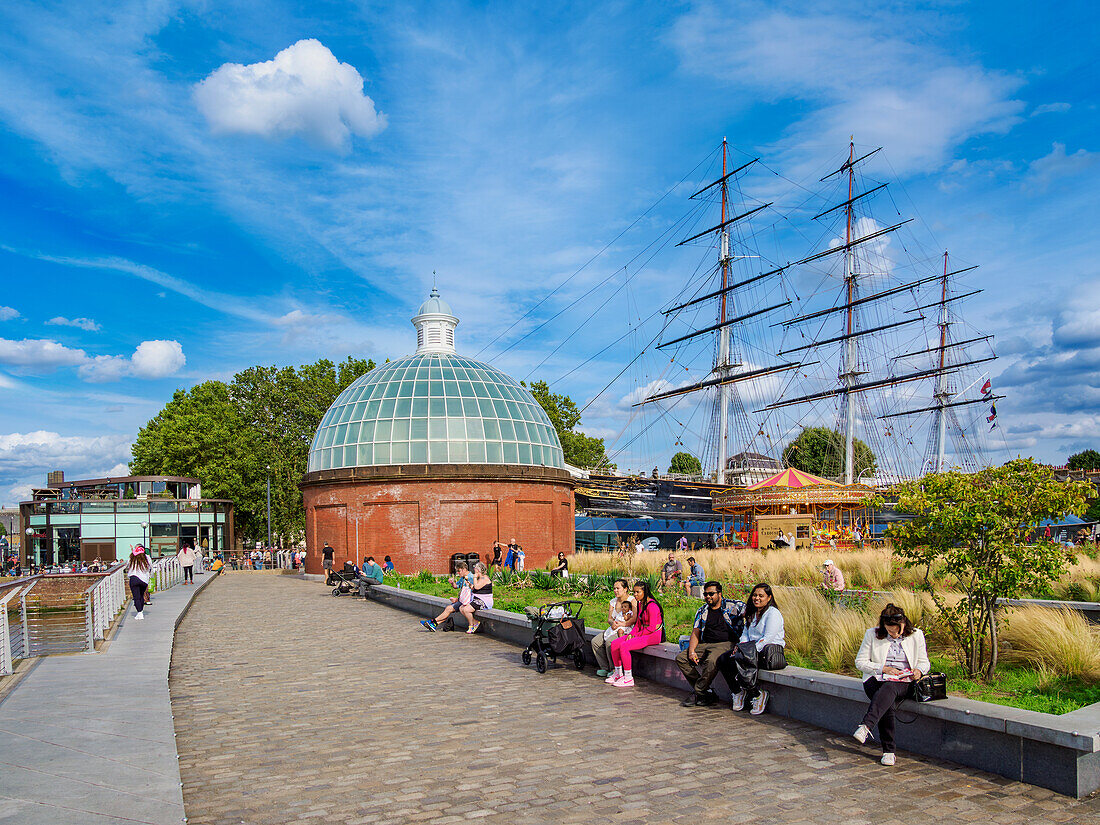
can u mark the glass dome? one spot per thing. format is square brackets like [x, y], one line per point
[434, 408]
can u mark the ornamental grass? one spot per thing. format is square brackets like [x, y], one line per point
[1058, 639]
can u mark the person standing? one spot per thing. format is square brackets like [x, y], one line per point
[327, 555]
[496, 560]
[186, 558]
[832, 578]
[682, 545]
[138, 569]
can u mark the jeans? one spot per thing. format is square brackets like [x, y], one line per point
[137, 590]
[189, 573]
[708, 653]
[884, 697]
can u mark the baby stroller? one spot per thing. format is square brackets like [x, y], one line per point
[342, 582]
[558, 631]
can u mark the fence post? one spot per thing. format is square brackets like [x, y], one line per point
[26, 624]
[89, 628]
[5, 642]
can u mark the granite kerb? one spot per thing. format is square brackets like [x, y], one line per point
[991, 737]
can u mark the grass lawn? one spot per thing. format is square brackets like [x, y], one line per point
[1016, 685]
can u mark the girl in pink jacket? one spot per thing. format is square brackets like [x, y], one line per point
[648, 630]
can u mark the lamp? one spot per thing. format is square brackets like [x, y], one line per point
[144, 540]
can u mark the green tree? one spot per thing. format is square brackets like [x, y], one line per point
[1084, 460]
[686, 464]
[580, 450]
[229, 435]
[820, 451]
[969, 532]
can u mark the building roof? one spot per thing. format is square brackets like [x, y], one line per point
[793, 479]
[434, 407]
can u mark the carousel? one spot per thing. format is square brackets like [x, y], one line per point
[796, 509]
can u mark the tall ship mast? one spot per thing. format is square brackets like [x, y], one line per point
[729, 367]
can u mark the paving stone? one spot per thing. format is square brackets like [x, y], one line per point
[293, 706]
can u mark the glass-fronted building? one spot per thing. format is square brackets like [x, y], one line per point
[103, 518]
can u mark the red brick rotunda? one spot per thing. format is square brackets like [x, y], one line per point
[435, 454]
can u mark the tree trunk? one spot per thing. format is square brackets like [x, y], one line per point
[991, 606]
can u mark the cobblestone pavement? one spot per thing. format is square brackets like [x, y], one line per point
[293, 706]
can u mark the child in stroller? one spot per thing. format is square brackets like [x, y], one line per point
[558, 631]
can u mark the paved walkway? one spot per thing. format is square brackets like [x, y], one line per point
[293, 706]
[87, 739]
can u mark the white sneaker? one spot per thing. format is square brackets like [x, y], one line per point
[738, 700]
[140, 617]
[888, 759]
[759, 702]
[861, 734]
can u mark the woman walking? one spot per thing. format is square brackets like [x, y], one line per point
[186, 558]
[649, 629]
[891, 657]
[138, 570]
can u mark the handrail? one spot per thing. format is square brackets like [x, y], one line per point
[6, 657]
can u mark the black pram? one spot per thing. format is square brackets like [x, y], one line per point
[342, 581]
[558, 631]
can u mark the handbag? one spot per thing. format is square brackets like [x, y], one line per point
[931, 687]
[773, 657]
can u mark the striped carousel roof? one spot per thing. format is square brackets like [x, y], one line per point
[793, 479]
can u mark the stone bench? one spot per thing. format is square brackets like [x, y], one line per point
[1061, 753]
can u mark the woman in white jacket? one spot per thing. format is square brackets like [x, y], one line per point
[186, 557]
[892, 657]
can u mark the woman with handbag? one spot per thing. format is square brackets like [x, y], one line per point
[761, 646]
[892, 657]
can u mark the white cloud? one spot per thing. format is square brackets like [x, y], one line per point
[1042, 172]
[1048, 108]
[23, 456]
[859, 73]
[304, 91]
[157, 359]
[151, 359]
[39, 354]
[80, 323]
[8, 314]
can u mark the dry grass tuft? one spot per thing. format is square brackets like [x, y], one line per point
[1061, 640]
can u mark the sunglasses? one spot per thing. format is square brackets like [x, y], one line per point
[710, 593]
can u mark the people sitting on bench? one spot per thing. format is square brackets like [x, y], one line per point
[761, 645]
[672, 571]
[696, 576]
[370, 574]
[463, 582]
[717, 628]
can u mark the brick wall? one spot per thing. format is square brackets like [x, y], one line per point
[421, 521]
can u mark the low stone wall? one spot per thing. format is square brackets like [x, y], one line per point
[1061, 753]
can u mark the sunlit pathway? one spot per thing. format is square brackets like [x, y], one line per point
[292, 706]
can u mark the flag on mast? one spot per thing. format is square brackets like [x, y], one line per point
[992, 417]
[987, 388]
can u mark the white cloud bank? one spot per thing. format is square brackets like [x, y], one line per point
[8, 314]
[25, 456]
[151, 359]
[304, 91]
[86, 324]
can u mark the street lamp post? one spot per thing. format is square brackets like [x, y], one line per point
[144, 537]
[269, 506]
[30, 532]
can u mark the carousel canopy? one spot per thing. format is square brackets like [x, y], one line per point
[793, 479]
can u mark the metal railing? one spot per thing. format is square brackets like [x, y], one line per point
[106, 599]
[12, 648]
[54, 623]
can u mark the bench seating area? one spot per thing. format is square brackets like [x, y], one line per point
[1061, 753]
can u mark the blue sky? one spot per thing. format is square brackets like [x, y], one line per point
[190, 188]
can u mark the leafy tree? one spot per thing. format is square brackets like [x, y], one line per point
[229, 435]
[820, 451]
[686, 464]
[1093, 511]
[1084, 460]
[580, 450]
[970, 534]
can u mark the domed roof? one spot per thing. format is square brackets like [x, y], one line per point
[434, 407]
[434, 305]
